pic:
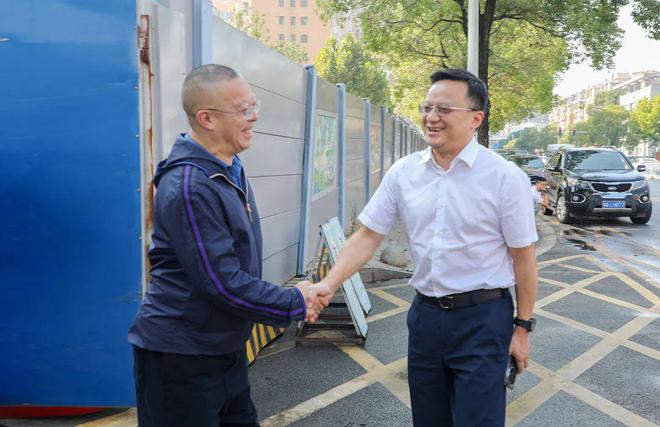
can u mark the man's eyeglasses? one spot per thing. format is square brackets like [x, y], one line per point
[247, 112]
[441, 110]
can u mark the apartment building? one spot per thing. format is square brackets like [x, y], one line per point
[641, 85]
[631, 88]
[293, 21]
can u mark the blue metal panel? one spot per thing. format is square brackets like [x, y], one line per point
[69, 181]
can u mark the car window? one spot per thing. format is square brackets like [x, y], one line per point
[596, 160]
[534, 163]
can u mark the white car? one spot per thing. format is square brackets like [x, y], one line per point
[648, 161]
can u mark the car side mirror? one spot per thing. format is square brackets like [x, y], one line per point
[641, 168]
[554, 169]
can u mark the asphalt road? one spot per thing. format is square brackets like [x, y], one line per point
[595, 353]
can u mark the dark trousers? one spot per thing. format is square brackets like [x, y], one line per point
[192, 391]
[456, 362]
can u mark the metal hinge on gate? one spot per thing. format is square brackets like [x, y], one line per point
[143, 39]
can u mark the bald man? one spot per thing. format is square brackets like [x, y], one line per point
[206, 290]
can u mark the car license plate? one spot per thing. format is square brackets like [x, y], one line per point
[614, 205]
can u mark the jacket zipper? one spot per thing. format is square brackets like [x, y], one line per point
[247, 203]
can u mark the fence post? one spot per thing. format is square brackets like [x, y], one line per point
[341, 110]
[367, 150]
[202, 32]
[383, 109]
[308, 153]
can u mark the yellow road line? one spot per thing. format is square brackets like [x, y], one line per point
[331, 396]
[123, 419]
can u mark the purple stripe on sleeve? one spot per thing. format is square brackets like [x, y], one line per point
[207, 264]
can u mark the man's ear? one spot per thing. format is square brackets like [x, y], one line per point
[203, 119]
[478, 118]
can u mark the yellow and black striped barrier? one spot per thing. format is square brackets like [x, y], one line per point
[262, 334]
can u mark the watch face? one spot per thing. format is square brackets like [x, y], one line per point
[532, 324]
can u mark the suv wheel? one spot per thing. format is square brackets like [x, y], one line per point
[562, 211]
[643, 219]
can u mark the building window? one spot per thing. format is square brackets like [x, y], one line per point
[303, 38]
[281, 3]
[292, 38]
[293, 3]
[303, 3]
[281, 37]
[293, 20]
[303, 20]
[281, 20]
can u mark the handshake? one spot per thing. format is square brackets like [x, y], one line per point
[317, 297]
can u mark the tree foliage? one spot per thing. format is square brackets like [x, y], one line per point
[645, 122]
[254, 24]
[349, 62]
[531, 139]
[523, 44]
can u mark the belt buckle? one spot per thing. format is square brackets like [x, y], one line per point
[447, 306]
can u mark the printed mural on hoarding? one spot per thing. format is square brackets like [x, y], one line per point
[374, 147]
[325, 156]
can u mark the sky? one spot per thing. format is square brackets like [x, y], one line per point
[638, 52]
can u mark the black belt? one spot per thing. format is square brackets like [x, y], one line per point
[465, 299]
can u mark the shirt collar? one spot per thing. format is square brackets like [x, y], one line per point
[467, 155]
[235, 161]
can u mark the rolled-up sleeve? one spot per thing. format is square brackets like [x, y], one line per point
[517, 211]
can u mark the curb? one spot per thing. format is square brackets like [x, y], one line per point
[547, 236]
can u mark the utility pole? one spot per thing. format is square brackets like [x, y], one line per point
[473, 37]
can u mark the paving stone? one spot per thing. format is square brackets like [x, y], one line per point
[379, 305]
[592, 311]
[562, 409]
[583, 263]
[629, 379]
[524, 382]
[614, 287]
[546, 289]
[405, 292]
[563, 274]
[387, 339]
[384, 410]
[554, 344]
[649, 335]
[285, 379]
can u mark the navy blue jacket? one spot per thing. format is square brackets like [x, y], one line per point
[206, 287]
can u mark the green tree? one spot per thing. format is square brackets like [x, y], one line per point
[523, 45]
[531, 139]
[608, 125]
[254, 24]
[645, 122]
[349, 62]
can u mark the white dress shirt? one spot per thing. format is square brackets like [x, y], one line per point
[459, 223]
[537, 196]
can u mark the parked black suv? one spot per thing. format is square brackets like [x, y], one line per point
[596, 182]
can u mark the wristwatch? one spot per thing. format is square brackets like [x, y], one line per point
[527, 324]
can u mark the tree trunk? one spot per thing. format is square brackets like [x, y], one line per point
[485, 23]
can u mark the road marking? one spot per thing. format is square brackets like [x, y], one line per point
[123, 419]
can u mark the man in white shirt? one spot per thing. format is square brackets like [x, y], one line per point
[538, 194]
[470, 228]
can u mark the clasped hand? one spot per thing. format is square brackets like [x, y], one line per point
[317, 297]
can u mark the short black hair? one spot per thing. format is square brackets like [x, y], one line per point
[477, 90]
[539, 179]
[197, 81]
